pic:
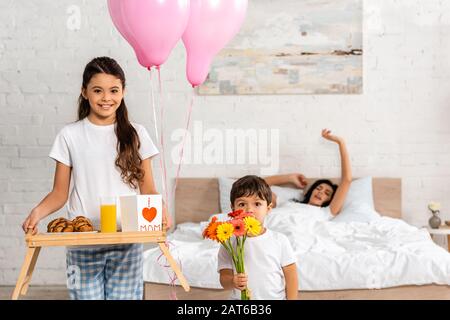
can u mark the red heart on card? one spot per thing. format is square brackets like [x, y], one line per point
[149, 213]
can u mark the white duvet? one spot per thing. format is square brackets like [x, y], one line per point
[382, 253]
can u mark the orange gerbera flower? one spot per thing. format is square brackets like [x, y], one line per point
[210, 231]
[239, 227]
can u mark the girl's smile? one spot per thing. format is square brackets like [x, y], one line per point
[106, 106]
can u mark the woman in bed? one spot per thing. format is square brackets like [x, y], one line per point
[322, 193]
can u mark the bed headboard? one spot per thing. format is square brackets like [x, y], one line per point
[196, 199]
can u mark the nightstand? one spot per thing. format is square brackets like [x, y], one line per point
[443, 230]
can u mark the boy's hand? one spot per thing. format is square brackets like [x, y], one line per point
[31, 222]
[240, 281]
[298, 180]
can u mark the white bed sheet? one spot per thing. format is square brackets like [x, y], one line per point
[382, 253]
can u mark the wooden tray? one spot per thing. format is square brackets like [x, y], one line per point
[99, 238]
[36, 242]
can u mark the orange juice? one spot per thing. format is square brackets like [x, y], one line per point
[108, 218]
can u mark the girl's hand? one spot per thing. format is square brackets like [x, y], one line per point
[31, 222]
[240, 281]
[298, 180]
[326, 134]
[166, 220]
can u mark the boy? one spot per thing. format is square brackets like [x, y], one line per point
[269, 259]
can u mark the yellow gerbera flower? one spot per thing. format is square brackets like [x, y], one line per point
[224, 231]
[253, 225]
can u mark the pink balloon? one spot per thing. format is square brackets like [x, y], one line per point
[212, 24]
[151, 27]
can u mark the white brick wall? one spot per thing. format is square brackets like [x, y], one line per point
[399, 127]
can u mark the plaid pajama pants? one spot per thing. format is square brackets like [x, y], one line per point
[106, 273]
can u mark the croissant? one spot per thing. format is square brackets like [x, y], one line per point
[82, 224]
[79, 224]
[60, 225]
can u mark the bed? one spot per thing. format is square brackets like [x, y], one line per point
[198, 198]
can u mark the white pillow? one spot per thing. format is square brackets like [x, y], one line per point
[284, 194]
[358, 205]
[225, 185]
[360, 191]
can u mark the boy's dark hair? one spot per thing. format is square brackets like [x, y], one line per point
[251, 185]
[315, 185]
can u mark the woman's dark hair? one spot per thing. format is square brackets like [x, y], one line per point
[128, 159]
[314, 186]
[251, 185]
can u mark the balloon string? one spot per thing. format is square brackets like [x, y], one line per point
[153, 105]
[171, 275]
[163, 182]
[189, 115]
[163, 153]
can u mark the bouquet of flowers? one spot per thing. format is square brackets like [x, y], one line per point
[240, 226]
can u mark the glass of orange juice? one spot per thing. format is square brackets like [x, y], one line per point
[108, 214]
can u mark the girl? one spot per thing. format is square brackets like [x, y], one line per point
[104, 154]
[323, 193]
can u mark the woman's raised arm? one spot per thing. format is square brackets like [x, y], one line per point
[346, 173]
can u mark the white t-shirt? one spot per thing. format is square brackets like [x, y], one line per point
[91, 152]
[264, 258]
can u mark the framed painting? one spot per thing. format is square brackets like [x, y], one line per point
[292, 47]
